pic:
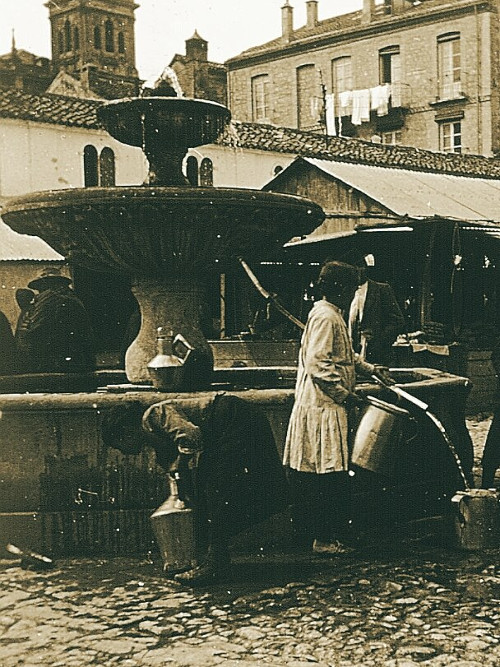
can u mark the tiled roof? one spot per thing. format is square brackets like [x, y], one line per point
[22, 56]
[53, 109]
[312, 144]
[346, 22]
[68, 111]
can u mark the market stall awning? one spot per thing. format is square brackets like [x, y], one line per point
[420, 195]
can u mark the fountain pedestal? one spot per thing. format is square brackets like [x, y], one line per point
[175, 304]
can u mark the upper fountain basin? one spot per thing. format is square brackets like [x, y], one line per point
[178, 121]
[158, 231]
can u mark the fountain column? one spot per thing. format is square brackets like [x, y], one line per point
[174, 303]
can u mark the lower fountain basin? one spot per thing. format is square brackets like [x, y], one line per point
[162, 231]
[63, 492]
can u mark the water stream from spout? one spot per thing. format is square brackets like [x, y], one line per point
[231, 135]
[451, 447]
[168, 76]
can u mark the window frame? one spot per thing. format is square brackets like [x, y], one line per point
[449, 63]
[448, 136]
[260, 98]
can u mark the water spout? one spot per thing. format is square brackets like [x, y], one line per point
[167, 85]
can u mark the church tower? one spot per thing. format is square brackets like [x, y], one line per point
[94, 40]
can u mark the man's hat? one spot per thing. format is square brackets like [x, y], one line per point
[49, 275]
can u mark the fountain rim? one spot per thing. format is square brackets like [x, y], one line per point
[122, 119]
[128, 194]
[161, 100]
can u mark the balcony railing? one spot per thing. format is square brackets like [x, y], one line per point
[452, 90]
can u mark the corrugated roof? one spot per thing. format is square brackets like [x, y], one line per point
[419, 194]
[16, 247]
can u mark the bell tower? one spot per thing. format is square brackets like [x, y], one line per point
[94, 35]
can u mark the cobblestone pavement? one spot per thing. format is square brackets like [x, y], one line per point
[401, 606]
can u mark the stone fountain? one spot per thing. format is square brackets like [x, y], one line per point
[63, 492]
[166, 235]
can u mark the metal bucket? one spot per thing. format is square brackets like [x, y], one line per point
[477, 519]
[378, 436]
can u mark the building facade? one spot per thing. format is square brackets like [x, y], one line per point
[413, 72]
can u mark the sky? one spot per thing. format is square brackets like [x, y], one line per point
[162, 26]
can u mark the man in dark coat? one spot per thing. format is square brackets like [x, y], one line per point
[8, 351]
[375, 320]
[55, 334]
[222, 450]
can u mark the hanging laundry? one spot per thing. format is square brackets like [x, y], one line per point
[380, 96]
[345, 99]
[360, 106]
[330, 115]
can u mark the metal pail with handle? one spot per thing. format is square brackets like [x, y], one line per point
[477, 519]
[378, 436]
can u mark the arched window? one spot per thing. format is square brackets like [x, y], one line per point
[67, 36]
[90, 167]
[60, 39]
[97, 38]
[121, 42]
[109, 36]
[107, 173]
[192, 170]
[76, 39]
[206, 172]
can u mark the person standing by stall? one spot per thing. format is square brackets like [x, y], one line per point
[491, 454]
[317, 441]
[375, 318]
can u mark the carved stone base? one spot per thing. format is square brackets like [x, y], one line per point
[172, 304]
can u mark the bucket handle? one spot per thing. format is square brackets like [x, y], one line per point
[184, 343]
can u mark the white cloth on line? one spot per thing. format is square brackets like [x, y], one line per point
[330, 115]
[380, 96]
[360, 106]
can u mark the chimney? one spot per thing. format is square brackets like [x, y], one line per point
[312, 13]
[368, 11]
[287, 22]
[399, 6]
